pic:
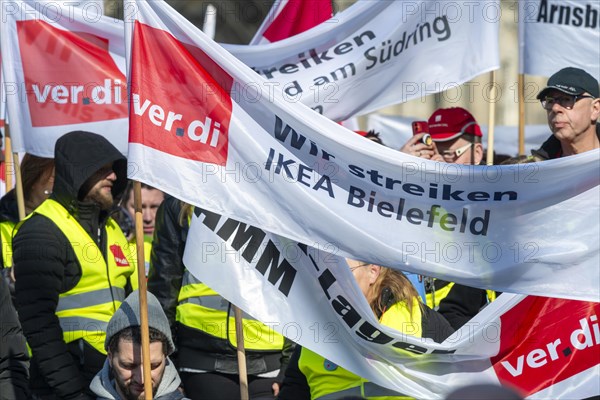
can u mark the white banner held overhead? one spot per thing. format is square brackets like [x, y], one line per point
[310, 296]
[195, 134]
[381, 53]
[64, 71]
[554, 34]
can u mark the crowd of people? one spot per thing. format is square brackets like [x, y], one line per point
[70, 326]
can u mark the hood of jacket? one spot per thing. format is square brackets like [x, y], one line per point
[77, 156]
[103, 384]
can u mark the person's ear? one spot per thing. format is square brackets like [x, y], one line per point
[374, 271]
[109, 357]
[477, 153]
[596, 110]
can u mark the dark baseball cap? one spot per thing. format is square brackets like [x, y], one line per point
[573, 81]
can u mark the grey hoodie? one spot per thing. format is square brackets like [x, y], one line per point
[103, 385]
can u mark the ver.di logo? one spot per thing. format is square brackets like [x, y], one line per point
[79, 82]
[180, 101]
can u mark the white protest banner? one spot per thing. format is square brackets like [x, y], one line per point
[196, 134]
[380, 53]
[311, 297]
[548, 30]
[2, 100]
[64, 71]
[396, 131]
[291, 17]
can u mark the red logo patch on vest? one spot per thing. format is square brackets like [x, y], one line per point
[120, 258]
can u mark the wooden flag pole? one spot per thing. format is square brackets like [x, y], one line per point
[8, 156]
[521, 89]
[145, 330]
[19, 187]
[12, 159]
[241, 353]
[491, 119]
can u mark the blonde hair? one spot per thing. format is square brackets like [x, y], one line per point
[393, 285]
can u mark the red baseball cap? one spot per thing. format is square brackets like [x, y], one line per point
[449, 123]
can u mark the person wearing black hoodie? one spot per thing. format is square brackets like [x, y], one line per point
[73, 267]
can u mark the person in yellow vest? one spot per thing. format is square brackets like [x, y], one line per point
[37, 176]
[203, 324]
[72, 267]
[397, 304]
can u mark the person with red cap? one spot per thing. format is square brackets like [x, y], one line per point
[371, 135]
[456, 138]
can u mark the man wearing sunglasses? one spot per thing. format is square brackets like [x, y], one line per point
[572, 103]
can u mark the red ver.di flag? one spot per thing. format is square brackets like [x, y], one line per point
[65, 71]
[291, 17]
[188, 113]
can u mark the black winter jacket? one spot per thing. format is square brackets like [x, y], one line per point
[196, 349]
[46, 266]
[14, 364]
[462, 304]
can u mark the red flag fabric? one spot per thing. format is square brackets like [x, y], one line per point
[291, 17]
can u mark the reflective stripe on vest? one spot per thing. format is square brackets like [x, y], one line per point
[7, 232]
[85, 310]
[88, 299]
[329, 381]
[203, 309]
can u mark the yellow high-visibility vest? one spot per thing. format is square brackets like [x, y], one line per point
[328, 381]
[84, 311]
[202, 308]
[6, 236]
